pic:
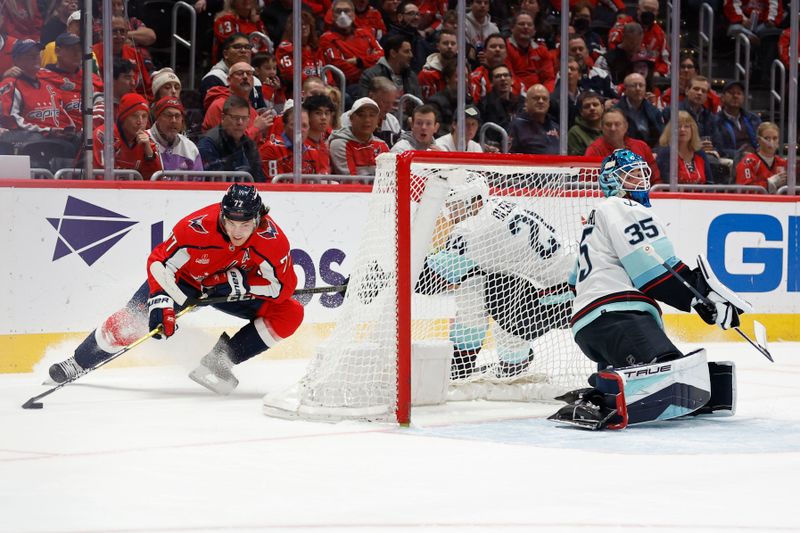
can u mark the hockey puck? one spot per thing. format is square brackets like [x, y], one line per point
[30, 404]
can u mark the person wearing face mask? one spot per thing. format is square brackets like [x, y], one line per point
[582, 22]
[764, 167]
[348, 48]
[654, 40]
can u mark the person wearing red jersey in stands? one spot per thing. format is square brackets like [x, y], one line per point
[238, 16]
[529, 61]
[277, 155]
[430, 77]
[615, 127]
[28, 104]
[6, 45]
[120, 49]
[495, 53]
[241, 84]
[654, 40]
[688, 70]
[66, 75]
[354, 149]
[320, 111]
[693, 164]
[311, 56]
[367, 17]
[764, 167]
[348, 48]
[134, 148]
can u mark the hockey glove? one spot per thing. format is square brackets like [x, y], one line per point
[231, 283]
[719, 311]
[162, 313]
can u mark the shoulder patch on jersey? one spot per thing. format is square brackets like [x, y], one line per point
[270, 232]
[197, 224]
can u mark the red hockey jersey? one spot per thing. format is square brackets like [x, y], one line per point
[127, 156]
[531, 66]
[31, 105]
[70, 86]
[278, 158]
[337, 48]
[230, 23]
[654, 43]
[752, 170]
[312, 61]
[480, 86]
[767, 10]
[197, 249]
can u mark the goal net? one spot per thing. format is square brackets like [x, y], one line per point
[466, 255]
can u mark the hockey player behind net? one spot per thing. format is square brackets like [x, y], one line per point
[231, 249]
[502, 261]
[617, 323]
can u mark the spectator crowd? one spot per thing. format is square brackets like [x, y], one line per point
[241, 117]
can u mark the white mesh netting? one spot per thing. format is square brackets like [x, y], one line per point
[491, 248]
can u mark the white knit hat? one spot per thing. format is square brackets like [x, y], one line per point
[165, 75]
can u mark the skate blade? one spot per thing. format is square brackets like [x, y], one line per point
[592, 425]
[49, 382]
[208, 380]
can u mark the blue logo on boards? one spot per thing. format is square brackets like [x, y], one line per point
[775, 253]
[88, 230]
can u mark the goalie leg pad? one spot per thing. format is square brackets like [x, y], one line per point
[641, 393]
[666, 390]
[723, 390]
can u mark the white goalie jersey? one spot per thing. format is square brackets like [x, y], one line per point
[504, 237]
[613, 262]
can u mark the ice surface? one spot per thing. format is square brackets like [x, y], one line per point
[144, 449]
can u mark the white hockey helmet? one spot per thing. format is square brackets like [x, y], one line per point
[466, 185]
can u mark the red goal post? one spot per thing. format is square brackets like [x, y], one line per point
[364, 369]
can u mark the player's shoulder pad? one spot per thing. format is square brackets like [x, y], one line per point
[198, 226]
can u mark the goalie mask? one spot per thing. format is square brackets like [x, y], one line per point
[242, 202]
[624, 173]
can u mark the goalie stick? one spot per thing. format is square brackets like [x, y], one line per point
[192, 303]
[758, 327]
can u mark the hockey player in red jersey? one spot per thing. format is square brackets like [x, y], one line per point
[233, 249]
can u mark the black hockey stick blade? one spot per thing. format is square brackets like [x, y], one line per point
[31, 404]
[756, 345]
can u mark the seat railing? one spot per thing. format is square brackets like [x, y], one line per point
[324, 179]
[341, 78]
[120, 174]
[487, 126]
[177, 39]
[687, 187]
[705, 38]
[401, 107]
[741, 65]
[41, 174]
[202, 175]
[257, 37]
[777, 93]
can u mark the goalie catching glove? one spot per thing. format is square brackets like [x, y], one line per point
[162, 313]
[231, 283]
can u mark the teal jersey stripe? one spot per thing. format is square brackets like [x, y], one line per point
[642, 267]
[450, 265]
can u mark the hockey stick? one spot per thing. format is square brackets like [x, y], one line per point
[34, 403]
[759, 327]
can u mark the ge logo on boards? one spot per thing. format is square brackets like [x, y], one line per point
[778, 249]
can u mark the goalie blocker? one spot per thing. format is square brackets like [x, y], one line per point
[665, 390]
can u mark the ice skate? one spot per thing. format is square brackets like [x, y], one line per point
[65, 370]
[214, 370]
